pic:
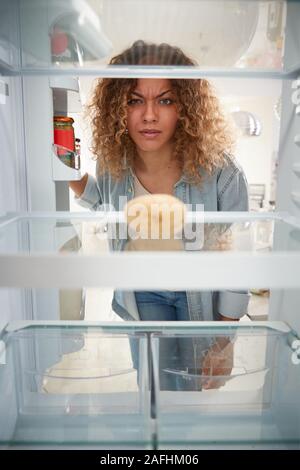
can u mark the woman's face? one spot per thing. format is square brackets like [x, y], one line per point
[152, 114]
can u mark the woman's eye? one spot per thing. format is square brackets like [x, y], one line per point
[134, 101]
[167, 101]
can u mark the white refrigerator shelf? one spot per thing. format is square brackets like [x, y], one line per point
[234, 250]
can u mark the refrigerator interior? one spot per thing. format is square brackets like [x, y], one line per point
[50, 260]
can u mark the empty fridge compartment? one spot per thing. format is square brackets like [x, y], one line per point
[226, 387]
[92, 396]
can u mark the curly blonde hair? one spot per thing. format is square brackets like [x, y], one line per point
[202, 135]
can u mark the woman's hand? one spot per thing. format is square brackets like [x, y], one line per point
[217, 364]
[79, 186]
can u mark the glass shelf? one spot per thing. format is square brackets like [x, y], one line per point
[211, 232]
[224, 37]
[160, 72]
[257, 249]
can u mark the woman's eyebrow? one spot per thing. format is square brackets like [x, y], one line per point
[158, 96]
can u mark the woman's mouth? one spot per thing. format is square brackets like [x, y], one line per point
[150, 133]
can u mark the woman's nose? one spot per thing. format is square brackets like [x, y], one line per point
[150, 112]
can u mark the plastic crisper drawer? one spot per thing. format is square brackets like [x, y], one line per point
[91, 397]
[252, 402]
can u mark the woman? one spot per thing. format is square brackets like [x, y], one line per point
[169, 137]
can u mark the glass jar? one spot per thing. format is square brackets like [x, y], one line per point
[64, 138]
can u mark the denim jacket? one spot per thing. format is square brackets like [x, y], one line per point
[225, 190]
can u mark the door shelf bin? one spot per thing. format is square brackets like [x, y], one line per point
[92, 396]
[254, 404]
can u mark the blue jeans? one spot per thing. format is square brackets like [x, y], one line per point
[175, 354]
